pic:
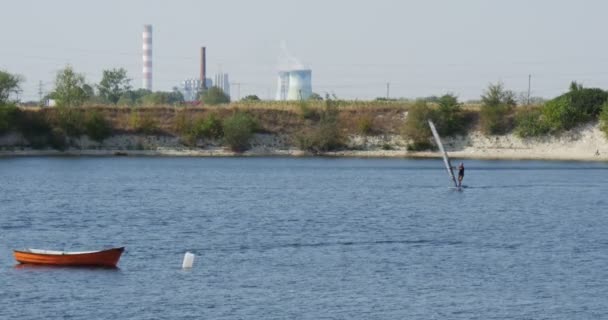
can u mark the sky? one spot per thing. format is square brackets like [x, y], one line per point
[354, 48]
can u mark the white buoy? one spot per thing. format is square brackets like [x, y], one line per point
[188, 260]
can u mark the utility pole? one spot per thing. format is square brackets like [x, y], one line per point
[529, 86]
[238, 90]
[40, 91]
[388, 90]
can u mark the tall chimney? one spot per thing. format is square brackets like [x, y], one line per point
[147, 57]
[203, 68]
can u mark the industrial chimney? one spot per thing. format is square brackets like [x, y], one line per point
[203, 68]
[147, 57]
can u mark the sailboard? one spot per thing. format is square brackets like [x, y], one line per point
[446, 159]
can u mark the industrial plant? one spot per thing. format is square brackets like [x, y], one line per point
[294, 83]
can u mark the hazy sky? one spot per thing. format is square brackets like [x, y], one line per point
[353, 47]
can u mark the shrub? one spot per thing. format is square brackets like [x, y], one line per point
[324, 136]
[604, 119]
[420, 146]
[308, 113]
[449, 118]
[214, 96]
[34, 124]
[97, 127]
[143, 123]
[8, 117]
[251, 98]
[238, 131]
[365, 125]
[529, 123]
[416, 127]
[210, 127]
[577, 106]
[57, 139]
[495, 114]
[70, 120]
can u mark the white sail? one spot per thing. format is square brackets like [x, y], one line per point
[446, 159]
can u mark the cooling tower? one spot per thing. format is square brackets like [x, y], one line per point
[300, 87]
[147, 57]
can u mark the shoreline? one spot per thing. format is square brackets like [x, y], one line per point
[586, 143]
[507, 155]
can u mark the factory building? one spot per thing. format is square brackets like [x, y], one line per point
[222, 82]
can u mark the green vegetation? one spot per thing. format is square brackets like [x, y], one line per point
[113, 85]
[365, 125]
[96, 126]
[325, 135]
[9, 84]
[214, 96]
[143, 122]
[577, 106]
[448, 117]
[529, 123]
[69, 88]
[604, 119]
[238, 131]
[416, 127]
[495, 114]
[9, 114]
[251, 98]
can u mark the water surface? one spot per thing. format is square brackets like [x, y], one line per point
[311, 238]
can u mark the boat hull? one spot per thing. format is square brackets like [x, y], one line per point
[105, 258]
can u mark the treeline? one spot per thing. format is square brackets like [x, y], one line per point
[499, 114]
[322, 124]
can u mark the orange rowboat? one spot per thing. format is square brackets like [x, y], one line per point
[102, 258]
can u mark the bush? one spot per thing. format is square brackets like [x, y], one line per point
[308, 113]
[529, 123]
[210, 127]
[448, 118]
[604, 119]
[143, 123]
[365, 125]
[238, 131]
[416, 127]
[251, 98]
[326, 135]
[57, 139]
[9, 115]
[495, 115]
[97, 127]
[214, 96]
[421, 146]
[577, 106]
[70, 121]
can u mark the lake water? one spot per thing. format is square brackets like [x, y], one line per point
[307, 238]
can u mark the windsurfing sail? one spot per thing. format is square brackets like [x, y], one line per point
[446, 159]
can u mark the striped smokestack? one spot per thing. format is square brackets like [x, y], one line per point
[203, 67]
[147, 57]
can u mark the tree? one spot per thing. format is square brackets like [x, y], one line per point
[9, 84]
[496, 109]
[449, 116]
[114, 83]
[69, 88]
[416, 127]
[315, 96]
[251, 98]
[214, 96]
